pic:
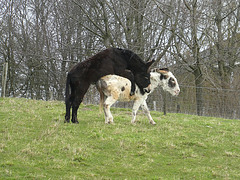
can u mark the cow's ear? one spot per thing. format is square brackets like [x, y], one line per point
[163, 70]
[149, 63]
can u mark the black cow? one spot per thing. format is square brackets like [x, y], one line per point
[110, 61]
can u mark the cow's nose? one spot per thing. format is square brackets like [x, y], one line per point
[177, 91]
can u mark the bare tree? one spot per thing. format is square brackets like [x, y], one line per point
[225, 38]
[189, 41]
[206, 38]
[142, 26]
[225, 48]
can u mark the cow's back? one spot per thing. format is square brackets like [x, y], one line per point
[103, 63]
[116, 86]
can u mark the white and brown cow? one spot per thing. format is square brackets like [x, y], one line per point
[114, 88]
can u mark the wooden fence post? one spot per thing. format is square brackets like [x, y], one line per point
[154, 106]
[164, 103]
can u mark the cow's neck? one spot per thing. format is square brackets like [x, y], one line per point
[155, 80]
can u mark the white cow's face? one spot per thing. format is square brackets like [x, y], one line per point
[169, 83]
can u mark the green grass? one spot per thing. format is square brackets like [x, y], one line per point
[36, 144]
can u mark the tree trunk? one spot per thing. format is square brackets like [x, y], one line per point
[4, 79]
[199, 92]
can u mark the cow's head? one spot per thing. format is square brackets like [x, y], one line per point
[168, 81]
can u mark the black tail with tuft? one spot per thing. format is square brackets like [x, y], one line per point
[67, 88]
[67, 100]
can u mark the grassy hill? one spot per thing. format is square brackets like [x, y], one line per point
[36, 144]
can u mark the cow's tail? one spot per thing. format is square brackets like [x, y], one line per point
[99, 88]
[67, 90]
[101, 102]
[67, 100]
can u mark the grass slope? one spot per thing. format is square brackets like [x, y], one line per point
[36, 144]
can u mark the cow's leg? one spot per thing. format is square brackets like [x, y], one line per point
[106, 106]
[75, 107]
[135, 108]
[129, 75]
[79, 93]
[147, 112]
[68, 103]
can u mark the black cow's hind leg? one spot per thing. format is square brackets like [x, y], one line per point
[79, 94]
[68, 108]
[74, 113]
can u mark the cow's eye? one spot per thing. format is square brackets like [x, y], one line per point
[171, 82]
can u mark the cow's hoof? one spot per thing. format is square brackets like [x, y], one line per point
[66, 121]
[75, 122]
[153, 123]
